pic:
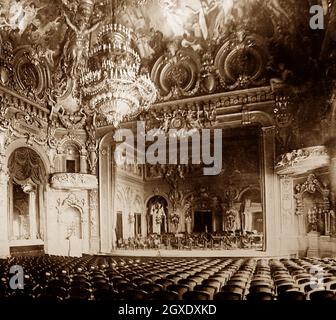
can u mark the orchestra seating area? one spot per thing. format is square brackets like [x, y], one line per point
[49, 278]
[184, 241]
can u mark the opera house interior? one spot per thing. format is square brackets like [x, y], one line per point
[168, 149]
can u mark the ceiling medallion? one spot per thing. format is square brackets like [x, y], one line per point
[112, 82]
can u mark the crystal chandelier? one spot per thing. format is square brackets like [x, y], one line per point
[111, 82]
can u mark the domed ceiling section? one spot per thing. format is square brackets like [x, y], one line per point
[190, 47]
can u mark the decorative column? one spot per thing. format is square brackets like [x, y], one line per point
[4, 236]
[31, 190]
[330, 144]
[93, 160]
[83, 161]
[94, 228]
[287, 205]
[106, 192]
[270, 191]
[60, 164]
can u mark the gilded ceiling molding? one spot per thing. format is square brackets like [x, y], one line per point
[255, 105]
[177, 74]
[224, 100]
[241, 61]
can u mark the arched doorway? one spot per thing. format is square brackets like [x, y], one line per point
[251, 211]
[27, 182]
[157, 215]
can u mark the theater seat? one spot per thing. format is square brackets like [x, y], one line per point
[164, 283]
[260, 296]
[320, 295]
[227, 296]
[165, 296]
[106, 295]
[79, 293]
[134, 295]
[291, 296]
[208, 289]
[179, 288]
[196, 296]
[151, 287]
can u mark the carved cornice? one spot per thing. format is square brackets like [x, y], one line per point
[20, 102]
[240, 107]
[302, 160]
[73, 181]
[226, 99]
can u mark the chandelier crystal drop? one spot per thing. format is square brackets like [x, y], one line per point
[111, 82]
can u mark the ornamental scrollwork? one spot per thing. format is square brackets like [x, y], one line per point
[241, 61]
[71, 201]
[188, 118]
[93, 206]
[177, 74]
[74, 180]
[291, 162]
[312, 185]
[73, 121]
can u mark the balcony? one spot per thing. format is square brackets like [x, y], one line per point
[70, 181]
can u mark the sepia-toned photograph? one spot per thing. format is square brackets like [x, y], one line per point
[167, 150]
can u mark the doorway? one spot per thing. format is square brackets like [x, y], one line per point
[137, 224]
[203, 221]
[119, 226]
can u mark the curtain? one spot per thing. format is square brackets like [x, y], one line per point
[25, 163]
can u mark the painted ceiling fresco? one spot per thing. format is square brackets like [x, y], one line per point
[193, 23]
[190, 47]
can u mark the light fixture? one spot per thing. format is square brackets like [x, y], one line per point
[111, 82]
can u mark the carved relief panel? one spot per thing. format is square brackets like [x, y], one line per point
[312, 202]
[71, 216]
[287, 205]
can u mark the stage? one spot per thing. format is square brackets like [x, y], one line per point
[240, 253]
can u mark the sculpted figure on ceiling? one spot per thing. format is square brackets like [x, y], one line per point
[76, 43]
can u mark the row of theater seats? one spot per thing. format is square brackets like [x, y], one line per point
[112, 278]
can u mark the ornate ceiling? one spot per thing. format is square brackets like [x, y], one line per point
[190, 47]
